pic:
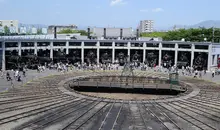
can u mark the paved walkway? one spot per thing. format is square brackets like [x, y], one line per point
[30, 75]
[208, 76]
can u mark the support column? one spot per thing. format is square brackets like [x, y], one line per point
[67, 47]
[215, 60]
[35, 48]
[209, 57]
[82, 52]
[129, 49]
[19, 48]
[192, 54]
[160, 53]
[144, 51]
[98, 51]
[176, 54]
[51, 50]
[3, 56]
[113, 52]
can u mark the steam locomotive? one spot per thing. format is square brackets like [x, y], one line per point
[199, 62]
[167, 61]
[121, 58]
[151, 59]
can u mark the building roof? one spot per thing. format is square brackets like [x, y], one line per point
[62, 26]
[9, 39]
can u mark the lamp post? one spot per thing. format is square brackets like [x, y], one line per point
[213, 34]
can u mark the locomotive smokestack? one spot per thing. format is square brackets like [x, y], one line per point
[104, 33]
[121, 33]
[137, 35]
[88, 33]
[55, 32]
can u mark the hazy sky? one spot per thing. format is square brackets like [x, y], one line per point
[118, 13]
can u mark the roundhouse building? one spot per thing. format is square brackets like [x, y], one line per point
[161, 53]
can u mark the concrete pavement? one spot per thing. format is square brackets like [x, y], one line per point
[30, 75]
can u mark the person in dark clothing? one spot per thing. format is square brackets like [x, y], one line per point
[19, 78]
[8, 76]
[213, 74]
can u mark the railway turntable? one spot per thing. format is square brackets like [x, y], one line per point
[109, 100]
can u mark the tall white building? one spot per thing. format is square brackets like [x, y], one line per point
[146, 26]
[12, 24]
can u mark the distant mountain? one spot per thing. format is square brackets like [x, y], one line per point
[32, 25]
[207, 24]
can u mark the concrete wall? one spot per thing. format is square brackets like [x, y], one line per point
[112, 32]
[215, 54]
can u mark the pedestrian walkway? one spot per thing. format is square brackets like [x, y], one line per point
[209, 77]
[30, 75]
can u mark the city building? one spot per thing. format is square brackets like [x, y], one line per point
[22, 30]
[112, 33]
[44, 30]
[11, 24]
[160, 53]
[50, 29]
[146, 26]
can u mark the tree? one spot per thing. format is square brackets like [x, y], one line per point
[82, 32]
[69, 31]
[7, 30]
[66, 31]
[193, 34]
[153, 34]
[39, 31]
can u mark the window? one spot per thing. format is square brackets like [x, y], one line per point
[152, 44]
[121, 44]
[90, 44]
[11, 44]
[27, 44]
[43, 44]
[105, 43]
[184, 46]
[202, 47]
[74, 43]
[59, 43]
[136, 44]
[168, 45]
[213, 59]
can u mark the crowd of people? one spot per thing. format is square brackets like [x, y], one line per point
[18, 74]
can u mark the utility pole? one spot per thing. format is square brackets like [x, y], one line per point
[213, 34]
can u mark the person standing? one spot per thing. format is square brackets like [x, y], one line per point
[213, 73]
[8, 76]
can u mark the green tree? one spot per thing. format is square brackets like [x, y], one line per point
[82, 32]
[39, 31]
[66, 31]
[153, 34]
[7, 30]
[193, 34]
[69, 31]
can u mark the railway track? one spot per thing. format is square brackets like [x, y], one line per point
[41, 105]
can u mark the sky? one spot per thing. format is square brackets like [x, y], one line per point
[112, 13]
